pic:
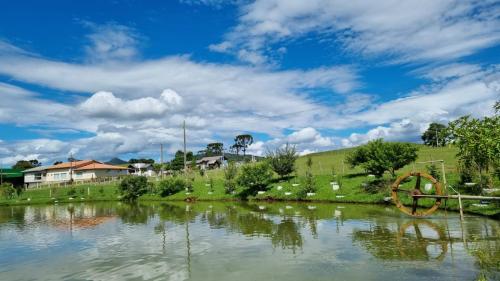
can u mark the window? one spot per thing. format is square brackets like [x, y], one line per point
[38, 176]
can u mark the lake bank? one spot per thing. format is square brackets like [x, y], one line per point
[99, 193]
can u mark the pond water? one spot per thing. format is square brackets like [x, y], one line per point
[242, 241]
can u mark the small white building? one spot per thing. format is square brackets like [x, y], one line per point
[141, 169]
[211, 162]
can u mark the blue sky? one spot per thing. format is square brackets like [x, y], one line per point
[99, 79]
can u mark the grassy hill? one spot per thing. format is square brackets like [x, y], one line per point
[323, 162]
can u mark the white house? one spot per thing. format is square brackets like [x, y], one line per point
[35, 176]
[142, 169]
[83, 170]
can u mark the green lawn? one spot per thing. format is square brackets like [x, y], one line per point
[351, 181]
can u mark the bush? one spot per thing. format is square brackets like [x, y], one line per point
[71, 191]
[8, 190]
[309, 185]
[255, 177]
[171, 186]
[211, 185]
[283, 159]
[132, 187]
[189, 183]
[375, 185]
[230, 174]
[433, 171]
[377, 156]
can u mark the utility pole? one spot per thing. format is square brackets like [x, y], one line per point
[437, 138]
[161, 153]
[161, 160]
[185, 164]
[1, 173]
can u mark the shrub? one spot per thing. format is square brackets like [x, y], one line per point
[211, 185]
[255, 177]
[230, 174]
[8, 190]
[71, 191]
[333, 174]
[132, 187]
[433, 171]
[375, 185]
[283, 159]
[378, 156]
[171, 186]
[309, 185]
[189, 183]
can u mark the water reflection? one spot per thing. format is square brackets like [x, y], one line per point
[204, 240]
[414, 240]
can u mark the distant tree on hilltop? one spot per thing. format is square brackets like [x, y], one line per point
[243, 142]
[436, 135]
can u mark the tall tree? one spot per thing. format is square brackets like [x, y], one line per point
[235, 148]
[436, 135]
[26, 164]
[214, 149]
[378, 156]
[282, 160]
[478, 142]
[243, 141]
[177, 163]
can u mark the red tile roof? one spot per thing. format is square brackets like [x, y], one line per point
[100, 166]
[74, 164]
[86, 165]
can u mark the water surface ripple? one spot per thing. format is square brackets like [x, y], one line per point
[242, 241]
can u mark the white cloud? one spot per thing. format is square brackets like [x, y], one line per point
[131, 107]
[401, 30]
[307, 151]
[306, 140]
[405, 130]
[257, 148]
[106, 105]
[111, 42]
[42, 149]
[231, 96]
[221, 47]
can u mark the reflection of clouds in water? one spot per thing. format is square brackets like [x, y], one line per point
[223, 245]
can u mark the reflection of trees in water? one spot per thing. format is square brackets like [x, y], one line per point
[247, 220]
[287, 235]
[484, 245]
[135, 213]
[14, 214]
[410, 242]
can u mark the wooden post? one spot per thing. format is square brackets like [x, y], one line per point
[460, 206]
[444, 174]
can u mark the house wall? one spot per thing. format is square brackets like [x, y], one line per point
[93, 174]
[58, 175]
[33, 178]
